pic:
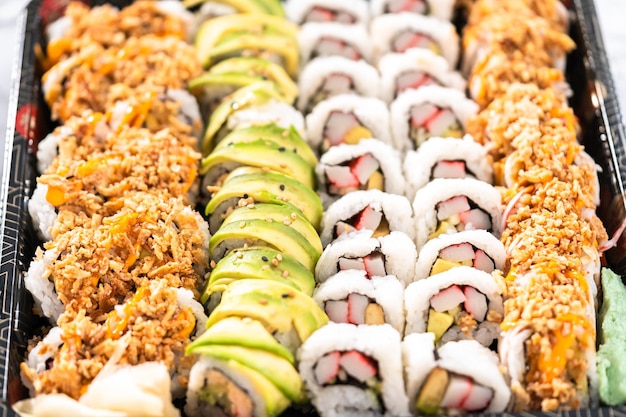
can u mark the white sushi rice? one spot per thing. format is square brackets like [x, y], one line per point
[418, 357]
[417, 298]
[42, 213]
[388, 160]
[355, 35]
[443, 97]
[44, 351]
[48, 148]
[486, 196]
[371, 112]
[364, 77]
[37, 282]
[296, 10]
[441, 9]
[282, 114]
[418, 165]
[380, 342]
[385, 28]
[385, 291]
[395, 208]
[392, 65]
[397, 248]
[481, 239]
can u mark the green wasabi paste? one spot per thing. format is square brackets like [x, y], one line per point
[612, 352]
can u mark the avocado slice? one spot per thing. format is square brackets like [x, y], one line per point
[273, 234]
[259, 44]
[260, 153]
[279, 213]
[250, 263]
[278, 306]
[433, 389]
[255, 94]
[264, 68]
[244, 332]
[212, 31]
[275, 368]
[266, 187]
[286, 138]
[272, 7]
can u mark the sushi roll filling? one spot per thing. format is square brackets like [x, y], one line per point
[333, 85]
[361, 173]
[428, 120]
[323, 14]
[462, 254]
[445, 392]
[343, 127]
[373, 264]
[459, 213]
[348, 368]
[221, 397]
[367, 219]
[329, 46]
[409, 39]
[458, 307]
[355, 309]
[411, 6]
[451, 168]
[412, 80]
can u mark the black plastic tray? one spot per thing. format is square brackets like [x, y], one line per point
[594, 102]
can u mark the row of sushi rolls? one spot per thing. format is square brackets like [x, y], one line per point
[256, 208]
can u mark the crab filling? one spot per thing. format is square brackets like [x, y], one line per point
[343, 127]
[328, 46]
[373, 264]
[333, 85]
[322, 14]
[412, 80]
[355, 309]
[367, 219]
[409, 39]
[349, 368]
[444, 392]
[411, 6]
[451, 168]
[428, 120]
[361, 173]
[460, 213]
[462, 254]
[221, 397]
[457, 312]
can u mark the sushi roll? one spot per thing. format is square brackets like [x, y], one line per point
[272, 7]
[355, 12]
[256, 263]
[476, 248]
[458, 377]
[404, 31]
[430, 111]
[351, 297]
[275, 226]
[373, 210]
[446, 158]
[325, 77]
[461, 303]
[393, 254]
[441, 9]
[453, 205]
[334, 39]
[413, 69]
[347, 118]
[370, 164]
[249, 34]
[246, 186]
[353, 370]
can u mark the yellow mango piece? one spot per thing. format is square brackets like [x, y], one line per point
[374, 314]
[354, 135]
[438, 323]
[55, 196]
[442, 265]
[376, 181]
[382, 229]
[441, 229]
